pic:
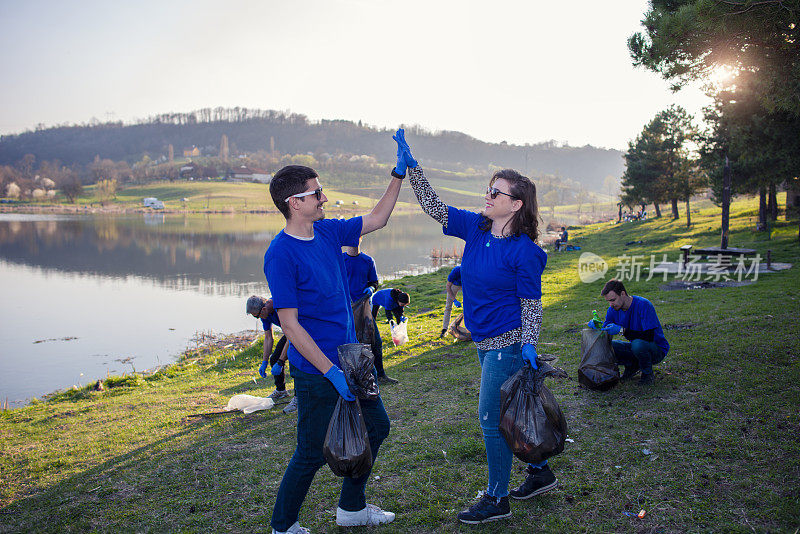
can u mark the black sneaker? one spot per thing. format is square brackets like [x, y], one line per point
[444, 331]
[647, 380]
[486, 509]
[540, 480]
[630, 372]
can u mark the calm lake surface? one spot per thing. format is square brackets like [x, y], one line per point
[83, 296]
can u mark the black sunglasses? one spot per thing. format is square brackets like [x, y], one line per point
[493, 192]
[316, 192]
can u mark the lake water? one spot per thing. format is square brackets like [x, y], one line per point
[84, 296]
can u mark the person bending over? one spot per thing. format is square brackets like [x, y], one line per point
[501, 272]
[393, 302]
[452, 288]
[262, 308]
[636, 319]
[307, 278]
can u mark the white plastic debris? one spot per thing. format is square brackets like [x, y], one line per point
[249, 403]
[647, 452]
[569, 440]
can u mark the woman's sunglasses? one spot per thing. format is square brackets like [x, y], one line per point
[493, 192]
[316, 192]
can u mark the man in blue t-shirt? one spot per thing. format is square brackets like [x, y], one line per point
[452, 288]
[308, 281]
[362, 277]
[635, 318]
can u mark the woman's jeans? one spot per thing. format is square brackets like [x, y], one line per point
[316, 400]
[496, 367]
[639, 352]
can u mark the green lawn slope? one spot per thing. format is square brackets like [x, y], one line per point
[711, 446]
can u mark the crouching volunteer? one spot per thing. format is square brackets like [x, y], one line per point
[304, 270]
[394, 302]
[501, 275]
[636, 319]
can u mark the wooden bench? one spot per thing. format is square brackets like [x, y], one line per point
[685, 249]
[724, 255]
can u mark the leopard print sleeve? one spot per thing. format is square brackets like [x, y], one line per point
[427, 197]
[531, 320]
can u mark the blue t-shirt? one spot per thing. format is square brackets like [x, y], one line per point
[310, 276]
[455, 276]
[360, 272]
[495, 274]
[384, 298]
[640, 316]
[272, 319]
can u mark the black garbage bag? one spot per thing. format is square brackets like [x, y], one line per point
[346, 446]
[357, 363]
[598, 367]
[531, 420]
[364, 323]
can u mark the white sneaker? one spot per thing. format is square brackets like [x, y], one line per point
[292, 406]
[294, 529]
[370, 515]
[277, 394]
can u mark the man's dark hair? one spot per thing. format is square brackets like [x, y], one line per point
[289, 181]
[613, 285]
[400, 297]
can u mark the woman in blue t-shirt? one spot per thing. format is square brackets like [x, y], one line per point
[501, 276]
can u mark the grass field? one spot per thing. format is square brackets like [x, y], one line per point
[721, 423]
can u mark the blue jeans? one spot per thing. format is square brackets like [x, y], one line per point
[316, 400]
[496, 367]
[638, 352]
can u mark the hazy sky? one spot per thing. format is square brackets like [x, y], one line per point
[514, 70]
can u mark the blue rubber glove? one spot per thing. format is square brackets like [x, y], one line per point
[277, 369]
[403, 319]
[263, 369]
[368, 291]
[400, 167]
[456, 303]
[402, 145]
[336, 377]
[612, 329]
[591, 325]
[529, 354]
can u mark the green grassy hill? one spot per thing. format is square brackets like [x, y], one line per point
[720, 424]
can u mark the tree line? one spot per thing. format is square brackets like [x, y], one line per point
[752, 142]
[251, 131]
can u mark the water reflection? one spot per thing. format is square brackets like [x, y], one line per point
[182, 250]
[109, 294]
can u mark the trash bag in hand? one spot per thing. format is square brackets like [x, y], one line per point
[399, 332]
[598, 367]
[530, 418]
[346, 446]
[364, 323]
[357, 363]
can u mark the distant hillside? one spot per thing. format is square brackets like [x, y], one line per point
[251, 131]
